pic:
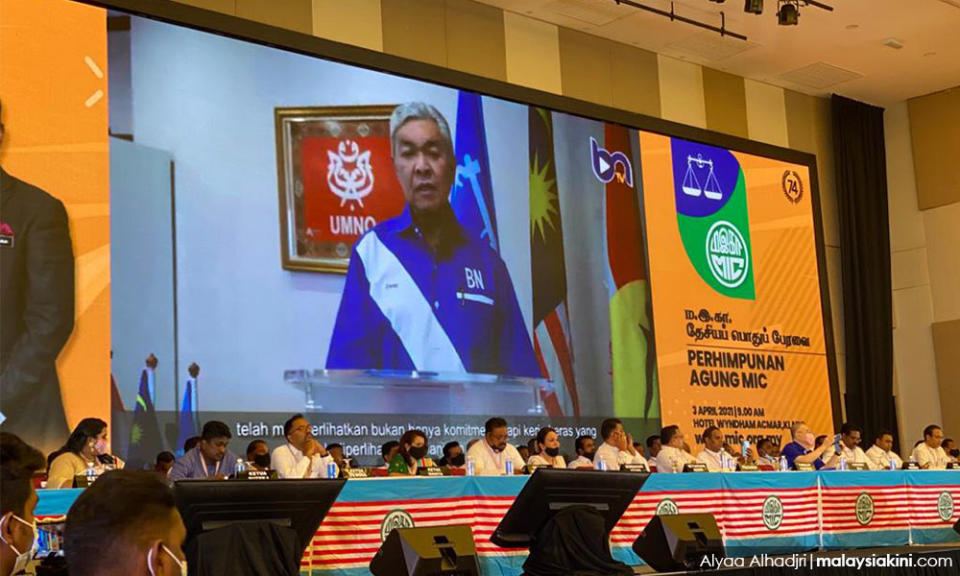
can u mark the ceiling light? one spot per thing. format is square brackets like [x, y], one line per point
[753, 6]
[789, 12]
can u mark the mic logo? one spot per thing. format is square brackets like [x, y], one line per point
[605, 165]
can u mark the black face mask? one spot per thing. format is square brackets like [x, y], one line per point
[262, 460]
[552, 452]
[417, 452]
[589, 455]
[458, 460]
[955, 452]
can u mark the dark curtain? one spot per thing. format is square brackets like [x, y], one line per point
[861, 184]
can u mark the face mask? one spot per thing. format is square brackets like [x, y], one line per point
[23, 558]
[262, 460]
[458, 460]
[955, 452]
[417, 452]
[552, 452]
[101, 447]
[180, 564]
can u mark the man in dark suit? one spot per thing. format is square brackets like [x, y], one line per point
[36, 309]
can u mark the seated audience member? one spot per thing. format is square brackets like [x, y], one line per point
[302, 456]
[335, 451]
[672, 456]
[126, 523]
[210, 458]
[850, 438]
[453, 455]
[164, 463]
[585, 447]
[471, 443]
[532, 447]
[18, 499]
[387, 450]
[412, 454]
[712, 454]
[524, 452]
[258, 455]
[766, 452]
[929, 455]
[190, 443]
[617, 448]
[548, 450]
[804, 450]
[491, 452]
[950, 447]
[653, 446]
[87, 447]
[882, 452]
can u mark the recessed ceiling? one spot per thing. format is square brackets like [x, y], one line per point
[839, 52]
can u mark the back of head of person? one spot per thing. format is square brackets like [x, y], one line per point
[127, 524]
[164, 463]
[18, 499]
[388, 449]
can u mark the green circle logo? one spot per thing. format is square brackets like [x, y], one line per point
[772, 513]
[864, 508]
[398, 518]
[727, 254]
[945, 506]
[667, 507]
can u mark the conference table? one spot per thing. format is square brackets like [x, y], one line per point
[757, 512]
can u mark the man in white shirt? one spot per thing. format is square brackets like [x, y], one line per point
[850, 438]
[767, 452]
[490, 453]
[302, 456]
[882, 452]
[929, 454]
[672, 456]
[617, 448]
[713, 454]
[586, 448]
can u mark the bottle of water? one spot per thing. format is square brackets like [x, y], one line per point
[91, 473]
[784, 467]
[724, 465]
[331, 469]
[602, 465]
[893, 463]
[508, 467]
[842, 462]
[471, 467]
[241, 466]
[745, 449]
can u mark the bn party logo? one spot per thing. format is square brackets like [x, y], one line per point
[711, 200]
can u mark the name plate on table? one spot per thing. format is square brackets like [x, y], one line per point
[803, 466]
[695, 467]
[857, 466]
[81, 481]
[256, 475]
[430, 471]
[357, 473]
[910, 466]
[748, 467]
[633, 468]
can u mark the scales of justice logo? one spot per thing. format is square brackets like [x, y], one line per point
[711, 202]
[349, 173]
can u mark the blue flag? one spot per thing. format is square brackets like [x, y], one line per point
[472, 194]
[145, 439]
[188, 416]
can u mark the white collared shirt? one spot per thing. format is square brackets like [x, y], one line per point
[580, 462]
[858, 455]
[289, 462]
[541, 460]
[672, 459]
[881, 458]
[936, 457]
[488, 462]
[615, 457]
[713, 460]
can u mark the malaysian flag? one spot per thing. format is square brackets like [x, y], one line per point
[551, 334]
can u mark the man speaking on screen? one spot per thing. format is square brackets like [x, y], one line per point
[421, 291]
